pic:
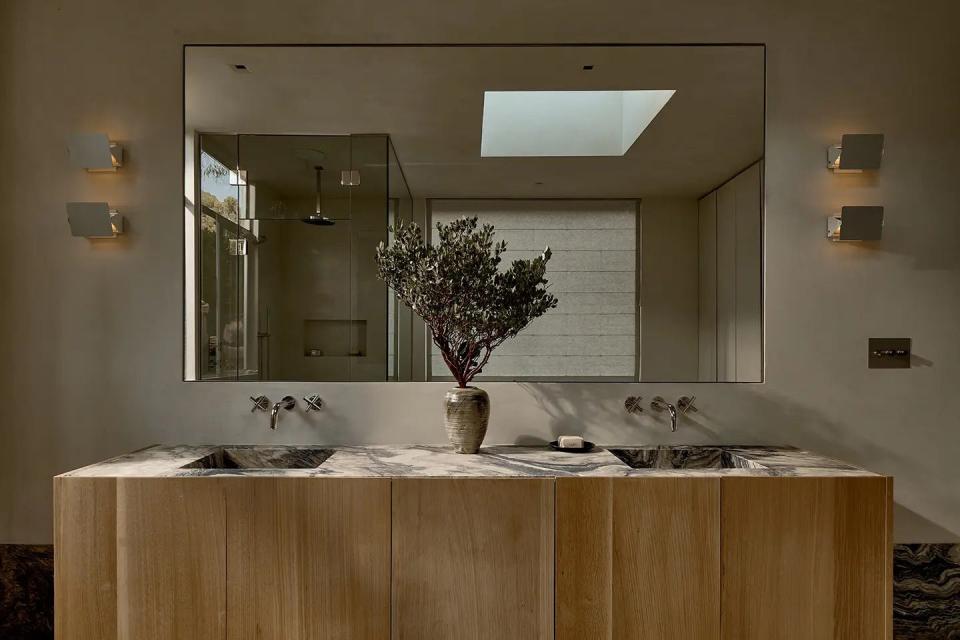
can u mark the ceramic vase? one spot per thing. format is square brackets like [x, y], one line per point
[466, 413]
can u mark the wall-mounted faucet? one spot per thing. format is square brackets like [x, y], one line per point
[659, 404]
[288, 403]
[262, 403]
[684, 406]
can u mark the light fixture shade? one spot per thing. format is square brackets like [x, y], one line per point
[856, 152]
[94, 152]
[93, 220]
[856, 224]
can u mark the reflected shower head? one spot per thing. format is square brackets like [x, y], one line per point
[318, 221]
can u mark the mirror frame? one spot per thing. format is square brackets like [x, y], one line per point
[388, 45]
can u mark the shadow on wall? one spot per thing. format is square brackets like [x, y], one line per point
[578, 409]
[923, 529]
[933, 249]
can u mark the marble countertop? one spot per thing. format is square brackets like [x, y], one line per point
[507, 461]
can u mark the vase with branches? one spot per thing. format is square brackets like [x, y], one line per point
[469, 303]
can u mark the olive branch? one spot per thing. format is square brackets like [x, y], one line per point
[470, 305]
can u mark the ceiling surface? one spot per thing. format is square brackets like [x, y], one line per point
[429, 99]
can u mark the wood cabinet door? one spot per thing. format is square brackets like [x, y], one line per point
[308, 558]
[473, 559]
[638, 558]
[85, 557]
[806, 558]
[171, 559]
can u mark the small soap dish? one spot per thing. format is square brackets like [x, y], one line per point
[587, 446]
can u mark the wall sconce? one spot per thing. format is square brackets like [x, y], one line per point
[856, 223]
[856, 153]
[94, 220]
[94, 152]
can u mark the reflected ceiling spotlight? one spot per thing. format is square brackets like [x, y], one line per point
[93, 220]
[317, 218]
[857, 224]
[94, 152]
[856, 153]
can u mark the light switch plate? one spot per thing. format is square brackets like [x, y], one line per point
[889, 353]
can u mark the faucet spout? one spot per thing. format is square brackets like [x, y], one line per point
[288, 403]
[659, 404]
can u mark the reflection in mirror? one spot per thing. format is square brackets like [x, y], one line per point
[643, 173]
[289, 288]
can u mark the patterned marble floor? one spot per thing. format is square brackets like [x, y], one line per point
[926, 592]
[26, 592]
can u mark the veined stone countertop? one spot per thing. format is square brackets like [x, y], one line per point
[507, 461]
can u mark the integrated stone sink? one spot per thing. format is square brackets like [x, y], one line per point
[685, 457]
[261, 458]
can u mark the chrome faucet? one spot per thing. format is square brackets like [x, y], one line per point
[659, 404]
[288, 403]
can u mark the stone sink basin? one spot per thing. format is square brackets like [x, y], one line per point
[685, 457]
[266, 457]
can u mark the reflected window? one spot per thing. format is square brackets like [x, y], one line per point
[592, 333]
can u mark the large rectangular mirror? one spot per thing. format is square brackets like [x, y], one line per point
[640, 166]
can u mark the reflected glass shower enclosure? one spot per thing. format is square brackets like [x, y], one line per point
[285, 233]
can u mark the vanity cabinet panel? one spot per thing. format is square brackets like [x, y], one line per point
[473, 559]
[171, 559]
[308, 559]
[806, 558]
[638, 558]
[584, 558]
[85, 557]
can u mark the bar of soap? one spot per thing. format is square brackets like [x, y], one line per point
[570, 442]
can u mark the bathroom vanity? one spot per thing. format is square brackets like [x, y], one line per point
[516, 543]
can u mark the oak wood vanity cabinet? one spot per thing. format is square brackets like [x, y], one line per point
[731, 558]
[725, 558]
[236, 558]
